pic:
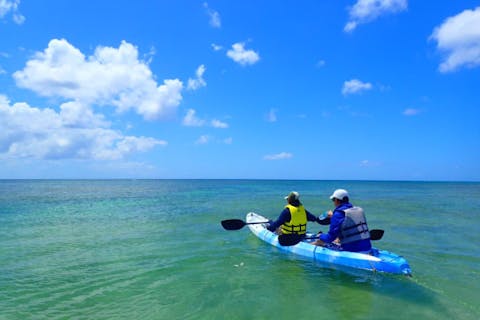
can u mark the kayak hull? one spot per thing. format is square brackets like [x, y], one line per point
[378, 261]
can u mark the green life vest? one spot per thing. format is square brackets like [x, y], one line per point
[298, 220]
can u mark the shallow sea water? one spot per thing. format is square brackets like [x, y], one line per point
[155, 249]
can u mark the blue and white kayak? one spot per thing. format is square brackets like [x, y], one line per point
[378, 260]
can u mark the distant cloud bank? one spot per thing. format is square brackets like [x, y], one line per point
[75, 132]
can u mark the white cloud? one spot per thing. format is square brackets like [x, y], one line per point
[369, 164]
[278, 156]
[190, 120]
[459, 38]
[198, 82]
[411, 112]
[215, 20]
[203, 139]
[355, 86]
[242, 56]
[216, 47]
[18, 18]
[364, 11]
[11, 6]
[272, 115]
[148, 57]
[206, 139]
[74, 114]
[75, 132]
[112, 76]
[218, 124]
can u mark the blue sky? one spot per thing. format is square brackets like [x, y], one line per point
[358, 89]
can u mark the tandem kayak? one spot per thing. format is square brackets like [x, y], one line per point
[377, 261]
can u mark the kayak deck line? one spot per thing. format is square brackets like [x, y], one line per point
[378, 261]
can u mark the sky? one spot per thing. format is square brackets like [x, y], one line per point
[323, 90]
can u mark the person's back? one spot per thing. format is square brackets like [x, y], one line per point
[293, 219]
[348, 224]
[298, 219]
[354, 234]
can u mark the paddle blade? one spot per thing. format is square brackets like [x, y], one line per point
[376, 234]
[289, 239]
[233, 224]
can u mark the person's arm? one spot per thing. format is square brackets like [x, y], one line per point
[324, 222]
[282, 218]
[325, 218]
[311, 217]
[335, 226]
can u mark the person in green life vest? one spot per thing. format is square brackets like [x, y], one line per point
[293, 218]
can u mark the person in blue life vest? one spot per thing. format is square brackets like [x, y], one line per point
[293, 218]
[348, 226]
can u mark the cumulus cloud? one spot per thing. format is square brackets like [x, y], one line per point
[355, 86]
[278, 156]
[198, 82]
[75, 132]
[364, 11]
[240, 55]
[11, 6]
[215, 20]
[111, 76]
[459, 38]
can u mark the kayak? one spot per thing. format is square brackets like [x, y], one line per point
[377, 260]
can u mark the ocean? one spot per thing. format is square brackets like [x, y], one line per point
[155, 249]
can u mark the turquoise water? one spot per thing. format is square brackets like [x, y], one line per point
[155, 249]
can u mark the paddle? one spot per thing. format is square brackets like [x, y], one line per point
[237, 224]
[293, 239]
